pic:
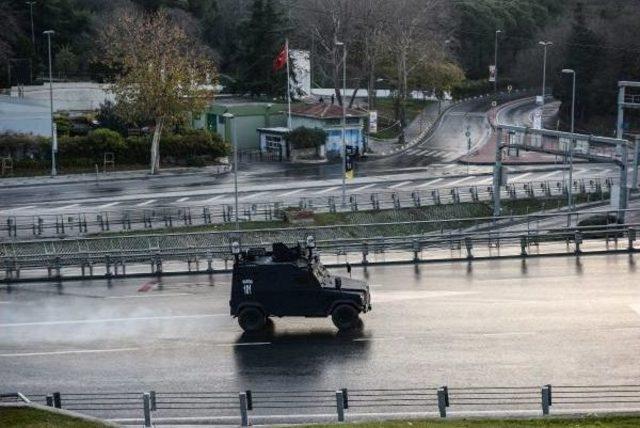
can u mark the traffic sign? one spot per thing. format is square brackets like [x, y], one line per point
[494, 103]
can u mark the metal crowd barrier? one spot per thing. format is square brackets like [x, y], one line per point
[255, 406]
[83, 223]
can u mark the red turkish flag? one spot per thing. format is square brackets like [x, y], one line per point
[281, 60]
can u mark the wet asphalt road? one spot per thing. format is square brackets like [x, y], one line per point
[490, 323]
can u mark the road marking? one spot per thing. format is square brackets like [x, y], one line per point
[330, 189]
[108, 320]
[254, 195]
[360, 189]
[429, 183]
[67, 207]
[520, 177]
[371, 339]
[462, 180]
[144, 204]
[182, 200]
[112, 204]
[551, 174]
[424, 152]
[73, 351]
[250, 344]
[11, 210]
[452, 156]
[293, 192]
[404, 183]
[145, 296]
[485, 181]
[636, 308]
[513, 333]
[453, 165]
[215, 198]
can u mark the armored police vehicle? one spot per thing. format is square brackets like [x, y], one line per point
[291, 282]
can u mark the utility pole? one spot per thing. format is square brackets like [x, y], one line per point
[344, 122]
[54, 172]
[495, 62]
[544, 69]
[234, 140]
[573, 122]
[33, 34]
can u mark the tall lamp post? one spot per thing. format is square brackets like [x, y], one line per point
[544, 69]
[54, 172]
[573, 122]
[344, 122]
[33, 34]
[231, 122]
[495, 61]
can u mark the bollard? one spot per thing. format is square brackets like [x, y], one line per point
[631, 233]
[345, 397]
[546, 399]
[57, 400]
[416, 251]
[152, 397]
[146, 407]
[468, 243]
[446, 395]
[578, 241]
[523, 246]
[50, 400]
[244, 416]
[442, 403]
[249, 399]
[340, 405]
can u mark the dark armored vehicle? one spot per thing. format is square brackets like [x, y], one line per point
[292, 282]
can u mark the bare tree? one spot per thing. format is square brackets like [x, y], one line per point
[162, 73]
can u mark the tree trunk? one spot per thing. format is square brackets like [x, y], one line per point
[155, 146]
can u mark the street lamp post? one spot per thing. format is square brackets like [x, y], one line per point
[573, 121]
[33, 34]
[344, 122]
[230, 121]
[495, 62]
[54, 172]
[544, 69]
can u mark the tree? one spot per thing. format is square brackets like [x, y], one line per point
[66, 61]
[161, 74]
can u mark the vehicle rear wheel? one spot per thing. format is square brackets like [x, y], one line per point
[345, 317]
[252, 319]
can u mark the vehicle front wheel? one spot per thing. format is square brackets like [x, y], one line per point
[345, 317]
[252, 319]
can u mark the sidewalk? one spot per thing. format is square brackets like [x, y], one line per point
[44, 180]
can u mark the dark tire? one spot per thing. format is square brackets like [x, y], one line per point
[252, 319]
[345, 317]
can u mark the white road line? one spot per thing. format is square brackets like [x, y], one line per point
[462, 180]
[360, 189]
[404, 183]
[12, 210]
[452, 156]
[67, 207]
[485, 181]
[424, 152]
[520, 177]
[293, 192]
[429, 183]
[215, 198]
[145, 203]
[371, 339]
[108, 320]
[112, 204]
[255, 195]
[146, 296]
[250, 344]
[73, 351]
[453, 165]
[551, 174]
[182, 200]
[330, 189]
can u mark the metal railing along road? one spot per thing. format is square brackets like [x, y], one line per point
[157, 218]
[460, 237]
[288, 406]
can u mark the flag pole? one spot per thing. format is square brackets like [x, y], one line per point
[288, 86]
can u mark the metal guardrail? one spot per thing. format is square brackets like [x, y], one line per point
[112, 255]
[158, 218]
[156, 407]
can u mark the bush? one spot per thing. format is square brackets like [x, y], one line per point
[306, 138]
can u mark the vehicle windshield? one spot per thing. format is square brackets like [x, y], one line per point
[322, 274]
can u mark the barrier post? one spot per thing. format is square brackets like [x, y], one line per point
[146, 407]
[442, 402]
[244, 416]
[340, 405]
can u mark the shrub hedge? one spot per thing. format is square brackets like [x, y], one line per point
[192, 148]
